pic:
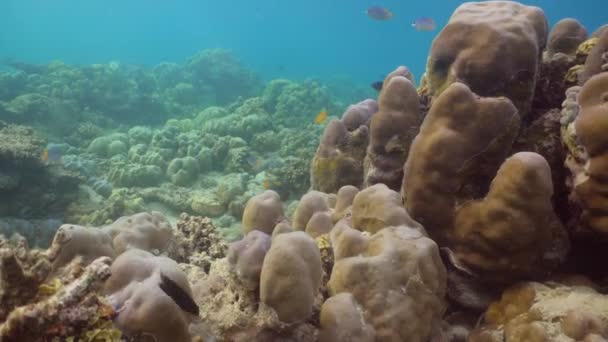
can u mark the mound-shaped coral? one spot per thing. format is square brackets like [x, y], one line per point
[247, 256]
[377, 207]
[401, 303]
[291, 276]
[513, 232]
[462, 142]
[591, 125]
[392, 130]
[342, 320]
[263, 212]
[339, 157]
[137, 292]
[565, 37]
[147, 231]
[183, 171]
[498, 57]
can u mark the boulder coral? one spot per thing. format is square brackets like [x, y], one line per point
[312, 203]
[183, 171]
[377, 207]
[499, 55]
[147, 231]
[403, 303]
[462, 142]
[247, 256]
[591, 125]
[565, 37]
[291, 276]
[392, 130]
[339, 157]
[342, 320]
[135, 175]
[344, 200]
[142, 306]
[262, 212]
[513, 232]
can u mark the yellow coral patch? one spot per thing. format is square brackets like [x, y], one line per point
[586, 46]
[50, 289]
[572, 74]
[323, 241]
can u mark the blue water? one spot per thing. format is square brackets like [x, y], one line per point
[276, 38]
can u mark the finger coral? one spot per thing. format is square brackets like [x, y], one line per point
[513, 232]
[339, 157]
[392, 130]
[461, 144]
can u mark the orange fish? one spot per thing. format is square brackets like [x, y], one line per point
[321, 117]
[266, 184]
[45, 155]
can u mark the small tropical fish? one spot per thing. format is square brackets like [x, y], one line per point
[266, 184]
[424, 24]
[45, 155]
[52, 153]
[254, 162]
[179, 296]
[321, 117]
[379, 13]
[377, 85]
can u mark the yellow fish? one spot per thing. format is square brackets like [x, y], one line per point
[45, 155]
[266, 184]
[321, 117]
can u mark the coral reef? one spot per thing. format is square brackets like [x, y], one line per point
[479, 193]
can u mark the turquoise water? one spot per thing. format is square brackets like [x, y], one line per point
[276, 38]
